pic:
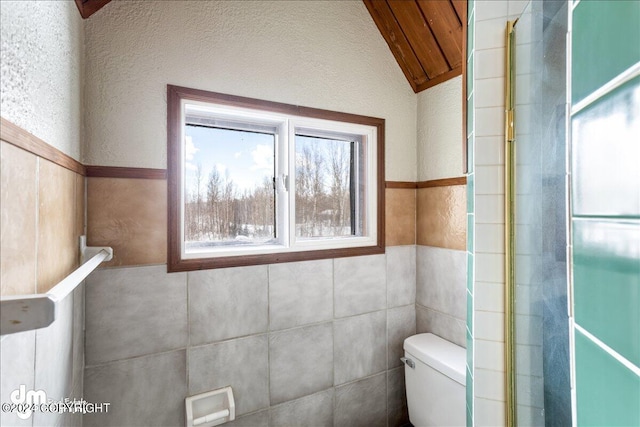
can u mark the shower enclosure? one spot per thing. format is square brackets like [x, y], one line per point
[572, 214]
[538, 154]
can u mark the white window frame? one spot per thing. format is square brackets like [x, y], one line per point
[285, 120]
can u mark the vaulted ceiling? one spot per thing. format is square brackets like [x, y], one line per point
[425, 36]
[89, 7]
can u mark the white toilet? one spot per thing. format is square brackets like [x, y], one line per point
[435, 381]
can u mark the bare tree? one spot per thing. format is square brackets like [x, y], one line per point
[339, 155]
[214, 193]
[216, 211]
[310, 189]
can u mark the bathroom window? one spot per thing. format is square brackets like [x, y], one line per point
[257, 182]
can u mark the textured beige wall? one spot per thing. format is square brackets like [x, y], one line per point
[41, 220]
[439, 145]
[319, 54]
[41, 82]
[442, 217]
[41, 87]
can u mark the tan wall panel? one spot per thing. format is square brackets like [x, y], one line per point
[18, 171]
[58, 245]
[442, 217]
[400, 216]
[80, 205]
[130, 215]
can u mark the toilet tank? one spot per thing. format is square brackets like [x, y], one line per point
[436, 382]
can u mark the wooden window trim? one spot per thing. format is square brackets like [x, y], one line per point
[175, 263]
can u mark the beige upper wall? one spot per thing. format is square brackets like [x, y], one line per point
[41, 59]
[440, 131]
[326, 54]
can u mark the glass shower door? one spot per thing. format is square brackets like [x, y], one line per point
[540, 312]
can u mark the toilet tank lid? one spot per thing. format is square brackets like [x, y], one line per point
[438, 353]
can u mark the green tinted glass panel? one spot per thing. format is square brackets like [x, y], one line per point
[470, 75]
[608, 393]
[606, 154]
[470, 152]
[606, 259]
[470, 115]
[469, 316]
[470, 276]
[470, 235]
[605, 42]
[471, 193]
[469, 390]
[471, 34]
[469, 349]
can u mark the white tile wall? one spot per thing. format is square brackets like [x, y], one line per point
[489, 71]
[489, 267]
[516, 7]
[529, 359]
[295, 348]
[45, 359]
[490, 34]
[489, 413]
[523, 95]
[489, 93]
[313, 410]
[489, 384]
[300, 293]
[524, 264]
[491, 150]
[490, 238]
[489, 326]
[441, 293]
[527, 387]
[491, 10]
[489, 209]
[529, 329]
[54, 359]
[17, 360]
[489, 355]
[530, 416]
[527, 294]
[489, 63]
[489, 120]
[489, 180]
[401, 275]
[490, 297]
[291, 353]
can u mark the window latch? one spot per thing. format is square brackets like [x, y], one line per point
[285, 181]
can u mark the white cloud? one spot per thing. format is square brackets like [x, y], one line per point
[262, 157]
[222, 170]
[237, 154]
[189, 148]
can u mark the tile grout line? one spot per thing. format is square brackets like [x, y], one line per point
[610, 351]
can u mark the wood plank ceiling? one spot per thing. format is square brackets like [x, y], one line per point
[89, 7]
[425, 36]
